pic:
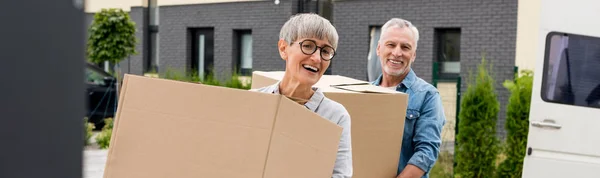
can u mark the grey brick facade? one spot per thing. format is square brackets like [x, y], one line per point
[263, 18]
[136, 65]
[486, 27]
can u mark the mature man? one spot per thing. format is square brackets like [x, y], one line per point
[425, 115]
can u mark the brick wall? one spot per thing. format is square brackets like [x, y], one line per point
[263, 18]
[487, 26]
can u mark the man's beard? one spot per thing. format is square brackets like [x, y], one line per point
[396, 72]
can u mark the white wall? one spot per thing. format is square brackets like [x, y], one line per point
[183, 2]
[528, 24]
[92, 6]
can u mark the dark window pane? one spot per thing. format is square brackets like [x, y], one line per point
[202, 51]
[243, 52]
[448, 52]
[572, 70]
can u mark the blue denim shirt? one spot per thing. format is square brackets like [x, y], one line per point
[423, 124]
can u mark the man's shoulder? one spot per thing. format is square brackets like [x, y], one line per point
[421, 85]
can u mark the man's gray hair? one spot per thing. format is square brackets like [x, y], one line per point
[309, 25]
[401, 23]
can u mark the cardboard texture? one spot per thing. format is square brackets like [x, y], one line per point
[377, 116]
[166, 128]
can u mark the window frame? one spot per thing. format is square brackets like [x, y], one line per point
[439, 34]
[237, 51]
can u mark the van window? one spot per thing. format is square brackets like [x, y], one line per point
[572, 70]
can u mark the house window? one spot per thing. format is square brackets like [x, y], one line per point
[448, 53]
[243, 52]
[202, 51]
[325, 9]
[373, 64]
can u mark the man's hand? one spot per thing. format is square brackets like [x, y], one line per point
[411, 171]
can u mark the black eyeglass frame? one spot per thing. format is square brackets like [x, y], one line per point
[315, 49]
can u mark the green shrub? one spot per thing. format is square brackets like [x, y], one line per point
[173, 74]
[108, 123]
[209, 79]
[477, 142]
[103, 138]
[517, 124]
[89, 127]
[193, 76]
[235, 82]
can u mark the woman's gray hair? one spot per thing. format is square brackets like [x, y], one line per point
[309, 25]
[401, 23]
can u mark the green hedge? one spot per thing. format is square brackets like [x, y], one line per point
[517, 124]
[477, 142]
[103, 138]
[209, 79]
[88, 127]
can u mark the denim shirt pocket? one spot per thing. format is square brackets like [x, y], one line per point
[409, 124]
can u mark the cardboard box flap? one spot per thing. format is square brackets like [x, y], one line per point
[364, 88]
[377, 129]
[329, 80]
[308, 139]
[325, 81]
[262, 79]
[328, 83]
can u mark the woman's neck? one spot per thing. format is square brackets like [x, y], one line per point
[294, 89]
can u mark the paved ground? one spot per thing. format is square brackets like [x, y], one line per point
[93, 163]
[94, 160]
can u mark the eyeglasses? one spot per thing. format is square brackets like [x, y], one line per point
[309, 47]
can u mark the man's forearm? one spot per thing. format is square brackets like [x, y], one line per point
[411, 171]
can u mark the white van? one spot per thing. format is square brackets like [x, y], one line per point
[564, 131]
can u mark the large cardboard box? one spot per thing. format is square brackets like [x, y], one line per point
[377, 116]
[167, 128]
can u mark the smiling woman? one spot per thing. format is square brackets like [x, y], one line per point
[307, 44]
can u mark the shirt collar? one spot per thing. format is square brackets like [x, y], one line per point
[314, 101]
[407, 82]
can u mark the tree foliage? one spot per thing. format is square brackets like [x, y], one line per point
[477, 142]
[517, 124]
[111, 37]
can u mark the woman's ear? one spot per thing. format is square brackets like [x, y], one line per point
[282, 46]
